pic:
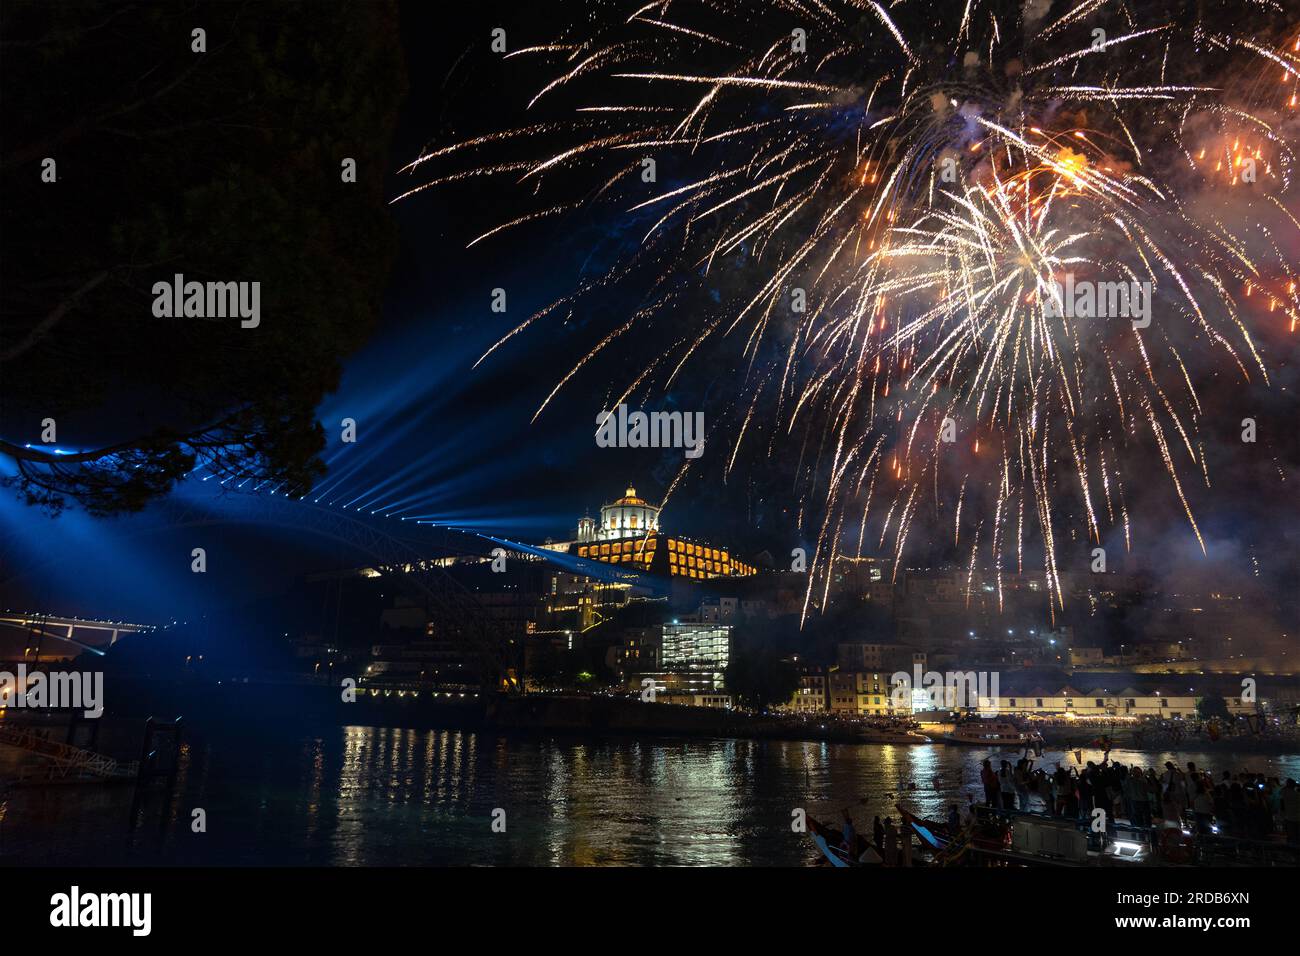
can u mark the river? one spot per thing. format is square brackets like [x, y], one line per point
[365, 796]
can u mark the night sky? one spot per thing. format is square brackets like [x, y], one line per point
[439, 440]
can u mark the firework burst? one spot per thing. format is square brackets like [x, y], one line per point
[923, 182]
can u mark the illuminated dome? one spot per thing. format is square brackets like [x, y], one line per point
[628, 517]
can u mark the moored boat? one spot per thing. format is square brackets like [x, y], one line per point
[984, 732]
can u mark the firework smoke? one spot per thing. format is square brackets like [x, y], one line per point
[925, 177]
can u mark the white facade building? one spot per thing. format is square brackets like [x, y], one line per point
[628, 517]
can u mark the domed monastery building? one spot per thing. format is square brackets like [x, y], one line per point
[628, 533]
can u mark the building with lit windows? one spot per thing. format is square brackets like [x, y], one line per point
[812, 696]
[628, 517]
[690, 647]
[628, 534]
[864, 694]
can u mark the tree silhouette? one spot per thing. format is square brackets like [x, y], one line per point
[223, 165]
[760, 678]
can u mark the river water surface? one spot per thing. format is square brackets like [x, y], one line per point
[363, 796]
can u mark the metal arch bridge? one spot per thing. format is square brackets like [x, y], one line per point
[411, 561]
[41, 625]
[407, 561]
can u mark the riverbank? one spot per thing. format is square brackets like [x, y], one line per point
[261, 703]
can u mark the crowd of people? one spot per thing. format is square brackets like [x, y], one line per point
[1244, 805]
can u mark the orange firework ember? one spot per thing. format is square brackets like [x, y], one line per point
[1046, 229]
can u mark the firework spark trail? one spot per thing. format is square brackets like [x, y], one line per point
[929, 206]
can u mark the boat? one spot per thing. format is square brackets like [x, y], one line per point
[830, 843]
[992, 837]
[938, 844]
[987, 733]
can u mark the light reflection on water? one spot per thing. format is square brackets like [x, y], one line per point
[364, 796]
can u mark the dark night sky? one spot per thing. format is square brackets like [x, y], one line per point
[441, 440]
[452, 443]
